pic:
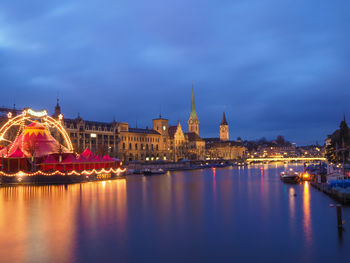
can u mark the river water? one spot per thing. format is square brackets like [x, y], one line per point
[222, 215]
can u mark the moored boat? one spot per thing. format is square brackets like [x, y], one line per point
[153, 171]
[221, 165]
[290, 176]
[137, 171]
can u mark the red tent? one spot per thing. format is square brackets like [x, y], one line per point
[70, 163]
[99, 162]
[107, 158]
[17, 154]
[82, 163]
[89, 159]
[109, 161]
[87, 154]
[49, 163]
[16, 161]
[35, 140]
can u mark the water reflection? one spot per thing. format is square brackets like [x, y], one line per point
[198, 216]
[40, 223]
[307, 214]
[38, 226]
[214, 185]
[292, 195]
[262, 182]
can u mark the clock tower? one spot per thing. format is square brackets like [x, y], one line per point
[161, 125]
[193, 123]
[224, 129]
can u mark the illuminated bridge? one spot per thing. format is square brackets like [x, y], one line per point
[285, 159]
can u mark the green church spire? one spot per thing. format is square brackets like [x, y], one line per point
[193, 107]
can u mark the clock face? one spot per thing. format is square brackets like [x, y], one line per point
[164, 128]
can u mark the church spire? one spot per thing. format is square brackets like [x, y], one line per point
[193, 122]
[224, 134]
[193, 106]
[224, 122]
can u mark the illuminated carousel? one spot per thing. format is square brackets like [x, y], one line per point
[29, 153]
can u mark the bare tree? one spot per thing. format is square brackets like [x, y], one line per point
[60, 148]
[31, 147]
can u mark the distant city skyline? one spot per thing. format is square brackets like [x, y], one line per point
[148, 123]
[275, 68]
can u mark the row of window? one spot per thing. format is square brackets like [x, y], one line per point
[139, 139]
[142, 147]
[88, 135]
[124, 138]
[93, 128]
[143, 157]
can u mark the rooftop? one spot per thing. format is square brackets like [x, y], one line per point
[139, 130]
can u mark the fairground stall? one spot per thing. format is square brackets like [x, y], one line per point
[29, 153]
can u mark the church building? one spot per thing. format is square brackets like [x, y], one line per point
[222, 147]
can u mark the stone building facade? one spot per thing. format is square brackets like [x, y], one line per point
[119, 140]
[226, 150]
[161, 142]
[141, 144]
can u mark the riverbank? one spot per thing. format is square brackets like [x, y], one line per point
[176, 166]
[335, 194]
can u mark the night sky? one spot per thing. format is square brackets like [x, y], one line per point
[275, 67]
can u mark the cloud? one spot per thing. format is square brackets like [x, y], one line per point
[273, 66]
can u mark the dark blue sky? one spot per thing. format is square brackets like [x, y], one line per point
[275, 66]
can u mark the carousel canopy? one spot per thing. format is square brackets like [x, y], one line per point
[35, 140]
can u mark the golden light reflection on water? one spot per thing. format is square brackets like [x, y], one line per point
[292, 203]
[39, 223]
[178, 190]
[214, 185]
[307, 213]
[292, 197]
[262, 182]
[31, 233]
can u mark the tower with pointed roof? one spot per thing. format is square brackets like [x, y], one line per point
[193, 122]
[57, 109]
[224, 136]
